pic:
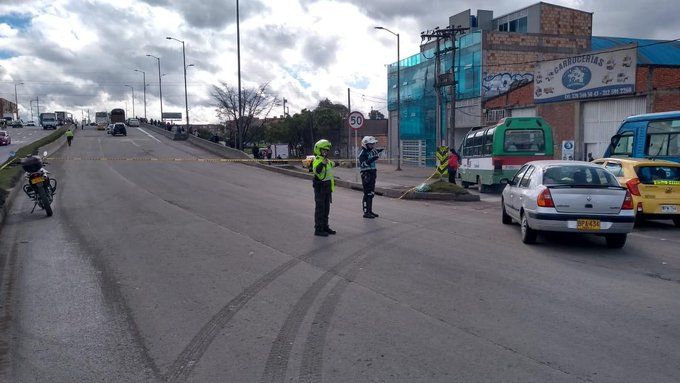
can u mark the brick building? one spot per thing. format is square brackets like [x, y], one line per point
[590, 121]
[507, 66]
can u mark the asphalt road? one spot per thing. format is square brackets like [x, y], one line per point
[160, 267]
[21, 137]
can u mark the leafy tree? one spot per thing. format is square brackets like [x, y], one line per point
[255, 103]
[376, 115]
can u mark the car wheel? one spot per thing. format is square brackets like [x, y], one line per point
[528, 234]
[676, 221]
[615, 241]
[505, 218]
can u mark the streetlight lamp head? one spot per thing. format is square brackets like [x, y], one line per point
[169, 38]
[378, 27]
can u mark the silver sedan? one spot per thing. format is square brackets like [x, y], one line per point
[568, 196]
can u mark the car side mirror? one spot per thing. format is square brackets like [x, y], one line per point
[505, 181]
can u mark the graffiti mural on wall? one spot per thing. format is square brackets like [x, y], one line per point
[499, 83]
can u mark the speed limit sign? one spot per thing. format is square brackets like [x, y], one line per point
[356, 120]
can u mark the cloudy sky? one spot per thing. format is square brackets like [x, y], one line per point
[79, 55]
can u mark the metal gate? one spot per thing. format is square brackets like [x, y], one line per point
[601, 119]
[413, 153]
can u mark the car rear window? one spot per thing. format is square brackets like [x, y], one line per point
[578, 175]
[658, 175]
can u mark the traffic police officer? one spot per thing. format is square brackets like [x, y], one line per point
[369, 173]
[324, 185]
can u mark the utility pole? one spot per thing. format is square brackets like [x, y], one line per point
[284, 107]
[349, 128]
[448, 79]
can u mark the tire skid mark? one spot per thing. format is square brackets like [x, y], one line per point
[189, 357]
[279, 355]
[192, 353]
[311, 367]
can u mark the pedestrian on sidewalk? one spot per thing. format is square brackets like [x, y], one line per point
[69, 136]
[324, 185]
[454, 163]
[369, 172]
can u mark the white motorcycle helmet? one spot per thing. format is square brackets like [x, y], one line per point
[368, 140]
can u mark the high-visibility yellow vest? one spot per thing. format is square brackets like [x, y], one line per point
[327, 174]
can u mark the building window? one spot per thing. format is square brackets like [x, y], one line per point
[518, 25]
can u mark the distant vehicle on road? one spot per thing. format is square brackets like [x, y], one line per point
[30, 123]
[5, 139]
[651, 136]
[61, 117]
[133, 122]
[654, 185]
[495, 152]
[101, 119]
[48, 120]
[16, 124]
[117, 115]
[119, 128]
[570, 197]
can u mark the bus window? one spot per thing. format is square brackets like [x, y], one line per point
[466, 146]
[488, 141]
[663, 138]
[477, 143]
[624, 146]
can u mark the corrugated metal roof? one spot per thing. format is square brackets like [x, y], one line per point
[650, 52]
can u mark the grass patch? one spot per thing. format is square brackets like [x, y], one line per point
[442, 186]
[11, 174]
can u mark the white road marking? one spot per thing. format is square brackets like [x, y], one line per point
[148, 134]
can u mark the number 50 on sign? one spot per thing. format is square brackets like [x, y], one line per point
[356, 120]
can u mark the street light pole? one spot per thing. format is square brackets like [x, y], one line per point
[143, 79]
[238, 58]
[16, 100]
[160, 88]
[133, 99]
[186, 97]
[398, 98]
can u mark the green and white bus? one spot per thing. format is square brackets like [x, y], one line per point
[495, 152]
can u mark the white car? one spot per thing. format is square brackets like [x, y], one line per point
[30, 123]
[568, 196]
[109, 128]
[133, 122]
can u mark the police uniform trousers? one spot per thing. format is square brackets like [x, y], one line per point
[368, 183]
[322, 204]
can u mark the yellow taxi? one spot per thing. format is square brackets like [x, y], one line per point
[653, 184]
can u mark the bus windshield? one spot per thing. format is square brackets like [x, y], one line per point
[527, 140]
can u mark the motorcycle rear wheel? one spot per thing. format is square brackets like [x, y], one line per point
[45, 201]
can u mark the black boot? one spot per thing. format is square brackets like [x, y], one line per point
[367, 212]
[369, 208]
[329, 230]
[320, 233]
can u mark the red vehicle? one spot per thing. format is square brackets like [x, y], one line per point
[5, 139]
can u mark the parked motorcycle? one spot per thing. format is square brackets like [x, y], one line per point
[40, 187]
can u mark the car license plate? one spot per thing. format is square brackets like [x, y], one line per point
[37, 180]
[669, 209]
[588, 224]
